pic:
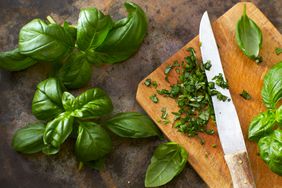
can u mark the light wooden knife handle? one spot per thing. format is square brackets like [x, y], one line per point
[240, 170]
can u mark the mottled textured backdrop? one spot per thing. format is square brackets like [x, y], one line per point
[172, 23]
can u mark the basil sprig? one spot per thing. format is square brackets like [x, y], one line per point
[97, 39]
[265, 128]
[169, 159]
[65, 115]
[249, 37]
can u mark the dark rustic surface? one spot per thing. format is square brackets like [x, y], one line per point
[171, 25]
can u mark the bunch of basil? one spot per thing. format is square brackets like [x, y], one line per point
[62, 114]
[97, 39]
[266, 127]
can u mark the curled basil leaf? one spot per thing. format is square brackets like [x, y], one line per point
[14, 61]
[261, 125]
[272, 86]
[29, 139]
[46, 103]
[124, 38]
[248, 36]
[92, 103]
[168, 160]
[68, 101]
[44, 42]
[270, 148]
[92, 28]
[279, 115]
[92, 142]
[76, 71]
[132, 125]
[56, 132]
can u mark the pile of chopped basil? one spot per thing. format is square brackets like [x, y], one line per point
[192, 92]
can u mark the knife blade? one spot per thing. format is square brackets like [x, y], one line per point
[227, 121]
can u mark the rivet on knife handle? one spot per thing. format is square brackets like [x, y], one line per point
[240, 170]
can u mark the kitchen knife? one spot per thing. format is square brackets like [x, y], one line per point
[228, 125]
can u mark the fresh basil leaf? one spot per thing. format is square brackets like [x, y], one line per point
[14, 61]
[272, 86]
[70, 30]
[248, 36]
[76, 71]
[29, 139]
[44, 42]
[278, 115]
[97, 164]
[261, 125]
[168, 160]
[270, 148]
[132, 125]
[46, 103]
[68, 101]
[92, 142]
[93, 103]
[92, 28]
[57, 131]
[125, 37]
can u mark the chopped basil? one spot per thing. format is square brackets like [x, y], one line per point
[155, 84]
[245, 95]
[164, 113]
[278, 51]
[219, 80]
[208, 65]
[148, 82]
[214, 145]
[154, 98]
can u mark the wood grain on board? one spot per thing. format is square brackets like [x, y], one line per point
[241, 73]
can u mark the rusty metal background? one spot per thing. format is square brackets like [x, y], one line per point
[172, 23]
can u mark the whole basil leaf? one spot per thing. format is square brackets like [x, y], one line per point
[278, 115]
[46, 103]
[132, 125]
[14, 61]
[270, 148]
[92, 28]
[76, 71]
[92, 103]
[29, 139]
[272, 86]
[124, 38]
[261, 125]
[68, 101]
[92, 142]
[44, 42]
[248, 36]
[168, 160]
[57, 131]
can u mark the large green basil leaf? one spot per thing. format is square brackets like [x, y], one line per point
[261, 125]
[46, 103]
[92, 28]
[14, 61]
[92, 142]
[270, 148]
[248, 36]
[29, 139]
[93, 103]
[125, 37]
[44, 42]
[76, 71]
[132, 125]
[168, 160]
[57, 131]
[272, 86]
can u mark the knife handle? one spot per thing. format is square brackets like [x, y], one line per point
[240, 170]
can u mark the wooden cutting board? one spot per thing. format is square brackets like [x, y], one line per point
[242, 73]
